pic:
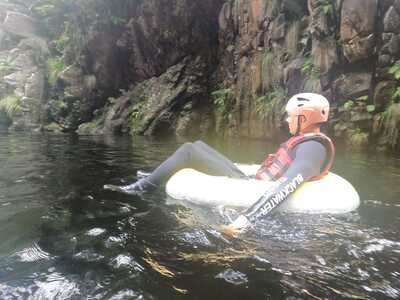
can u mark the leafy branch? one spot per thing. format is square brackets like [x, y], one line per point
[221, 101]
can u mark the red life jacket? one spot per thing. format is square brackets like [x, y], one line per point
[276, 164]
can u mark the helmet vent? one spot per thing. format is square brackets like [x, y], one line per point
[300, 105]
[302, 99]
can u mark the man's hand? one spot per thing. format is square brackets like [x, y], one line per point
[237, 227]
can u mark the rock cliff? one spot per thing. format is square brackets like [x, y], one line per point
[195, 67]
[22, 58]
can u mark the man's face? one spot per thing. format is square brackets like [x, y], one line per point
[292, 122]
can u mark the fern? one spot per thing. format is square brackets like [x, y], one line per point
[10, 106]
[221, 101]
[269, 101]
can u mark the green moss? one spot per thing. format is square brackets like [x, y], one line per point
[357, 138]
[92, 128]
[137, 114]
[52, 127]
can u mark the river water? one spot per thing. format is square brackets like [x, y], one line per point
[63, 237]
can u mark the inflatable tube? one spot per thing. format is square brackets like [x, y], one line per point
[332, 194]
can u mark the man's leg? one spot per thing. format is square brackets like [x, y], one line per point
[222, 161]
[197, 155]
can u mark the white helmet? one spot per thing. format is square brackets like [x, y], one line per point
[313, 107]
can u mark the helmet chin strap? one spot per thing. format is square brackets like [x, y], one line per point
[298, 125]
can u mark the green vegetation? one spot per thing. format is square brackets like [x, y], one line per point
[357, 138]
[268, 59]
[137, 113]
[6, 66]
[62, 41]
[325, 7]
[266, 68]
[370, 108]
[268, 104]
[117, 20]
[395, 71]
[396, 95]
[53, 14]
[222, 102]
[309, 68]
[9, 107]
[362, 98]
[348, 105]
[55, 66]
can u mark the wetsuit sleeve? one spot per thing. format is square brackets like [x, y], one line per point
[309, 159]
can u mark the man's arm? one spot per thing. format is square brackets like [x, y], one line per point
[310, 157]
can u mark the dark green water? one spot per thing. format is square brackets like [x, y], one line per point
[63, 237]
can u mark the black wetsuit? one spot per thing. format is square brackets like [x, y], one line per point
[309, 160]
[198, 156]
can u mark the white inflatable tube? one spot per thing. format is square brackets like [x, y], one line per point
[332, 194]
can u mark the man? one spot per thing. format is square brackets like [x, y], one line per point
[308, 155]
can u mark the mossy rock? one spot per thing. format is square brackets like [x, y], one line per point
[52, 127]
[357, 139]
[95, 127]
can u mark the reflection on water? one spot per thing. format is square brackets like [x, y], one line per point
[63, 237]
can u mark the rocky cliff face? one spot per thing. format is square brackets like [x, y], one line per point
[345, 50]
[22, 72]
[191, 67]
[153, 58]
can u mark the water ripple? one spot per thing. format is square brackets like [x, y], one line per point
[32, 254]
[55, 287]
[233, 277]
